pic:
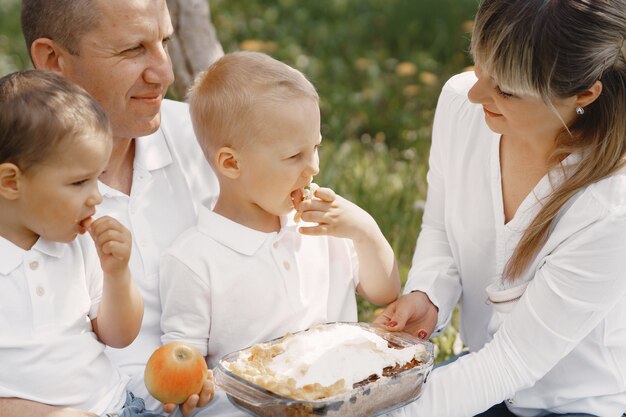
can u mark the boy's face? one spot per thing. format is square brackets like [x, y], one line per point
[60, 193]
[283, 157]
[125, 65]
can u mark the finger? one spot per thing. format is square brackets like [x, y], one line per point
[169, 408]
[315, 205]
[110, 235]
[319, 230]
[188, 406]
[325, 194]
[117, 250]
[206, 395]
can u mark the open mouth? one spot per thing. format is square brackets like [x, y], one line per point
[84, 224]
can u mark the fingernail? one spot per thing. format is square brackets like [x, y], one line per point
[422, 334]
[392, 324]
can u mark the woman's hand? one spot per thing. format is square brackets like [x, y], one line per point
[413, 313]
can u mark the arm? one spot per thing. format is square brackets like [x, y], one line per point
[186, 316]
[336, 216]
[578, 285]
[121, 309]
[16, 407]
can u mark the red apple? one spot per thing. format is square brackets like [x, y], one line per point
[174, 372]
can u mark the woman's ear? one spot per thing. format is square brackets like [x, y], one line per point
[10, 176]
[227, 163]
[590, 95]
[48, 55]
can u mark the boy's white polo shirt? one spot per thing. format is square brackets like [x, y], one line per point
[225, 286]
[48, 350]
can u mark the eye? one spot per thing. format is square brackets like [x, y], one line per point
[296, 156]
[502, 93]
[133, 50]
[79, 183]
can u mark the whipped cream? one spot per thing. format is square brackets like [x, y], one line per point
[345, 352]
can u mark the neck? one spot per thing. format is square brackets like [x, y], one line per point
[119, 171]
[14, 232]
[247, 214]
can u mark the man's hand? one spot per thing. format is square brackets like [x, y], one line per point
[413, 313]
[195, 400]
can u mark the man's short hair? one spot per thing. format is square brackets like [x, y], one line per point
[63, 21]
[38, 111]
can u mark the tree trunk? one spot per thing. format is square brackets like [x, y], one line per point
[195, 45]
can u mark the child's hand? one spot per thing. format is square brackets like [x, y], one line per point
[113, 242]
[195, 401]
[335, 216]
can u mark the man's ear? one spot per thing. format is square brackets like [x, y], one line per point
[226, 162]
[48, 55]
[590, 95]
[10, 176]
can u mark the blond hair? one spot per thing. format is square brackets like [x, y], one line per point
[226, 100]
[558, 49]
[40, 110]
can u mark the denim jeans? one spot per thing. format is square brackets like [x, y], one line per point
[135, 407]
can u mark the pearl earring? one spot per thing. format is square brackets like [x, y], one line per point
[580, 110]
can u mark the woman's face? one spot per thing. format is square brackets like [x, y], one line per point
[522, 116]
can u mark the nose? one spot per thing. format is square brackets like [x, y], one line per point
[478, 94]
[95, 198]
[313, 166]
[159, 70]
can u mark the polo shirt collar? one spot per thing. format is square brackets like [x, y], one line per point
[239, 238]
[12, 256]
[152, 151]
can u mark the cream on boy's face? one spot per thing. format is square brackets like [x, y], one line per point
[57, 195]
[283, 157]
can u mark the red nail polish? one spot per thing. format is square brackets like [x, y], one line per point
[422, 334]
[392, 324]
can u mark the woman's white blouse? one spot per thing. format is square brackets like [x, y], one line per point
[561, 346]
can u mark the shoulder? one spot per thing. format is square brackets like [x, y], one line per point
[460, 84]
[610, 193]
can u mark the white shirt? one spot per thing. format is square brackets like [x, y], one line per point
[225, 287]
[562, 346]
[171, 179]
[48, 350]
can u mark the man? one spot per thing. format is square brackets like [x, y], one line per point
[117, 51]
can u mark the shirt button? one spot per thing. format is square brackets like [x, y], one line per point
[34, 265]
[510, 401]
[40, 291]
[275, 245]
[286, 265]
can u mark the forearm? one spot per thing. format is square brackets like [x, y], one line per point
[379, 280]
[17, 407]
[121, 311]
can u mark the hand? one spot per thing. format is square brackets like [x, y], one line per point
[413, 313]
[113, 242]
[335, 216]
[195, 400]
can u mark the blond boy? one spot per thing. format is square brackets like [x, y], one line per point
[248, 272]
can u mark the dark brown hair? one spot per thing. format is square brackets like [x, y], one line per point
[63, 21]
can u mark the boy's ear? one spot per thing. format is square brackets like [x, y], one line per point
[10, 176]
[226, 162]
[48, 55]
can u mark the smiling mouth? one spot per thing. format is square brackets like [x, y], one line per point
[490, 113]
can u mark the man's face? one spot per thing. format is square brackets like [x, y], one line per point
[124, 63]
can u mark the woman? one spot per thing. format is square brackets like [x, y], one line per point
[525, 219]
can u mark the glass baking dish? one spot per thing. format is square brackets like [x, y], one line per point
[367, 400]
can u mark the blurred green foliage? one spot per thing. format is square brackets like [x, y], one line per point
[378, 66]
